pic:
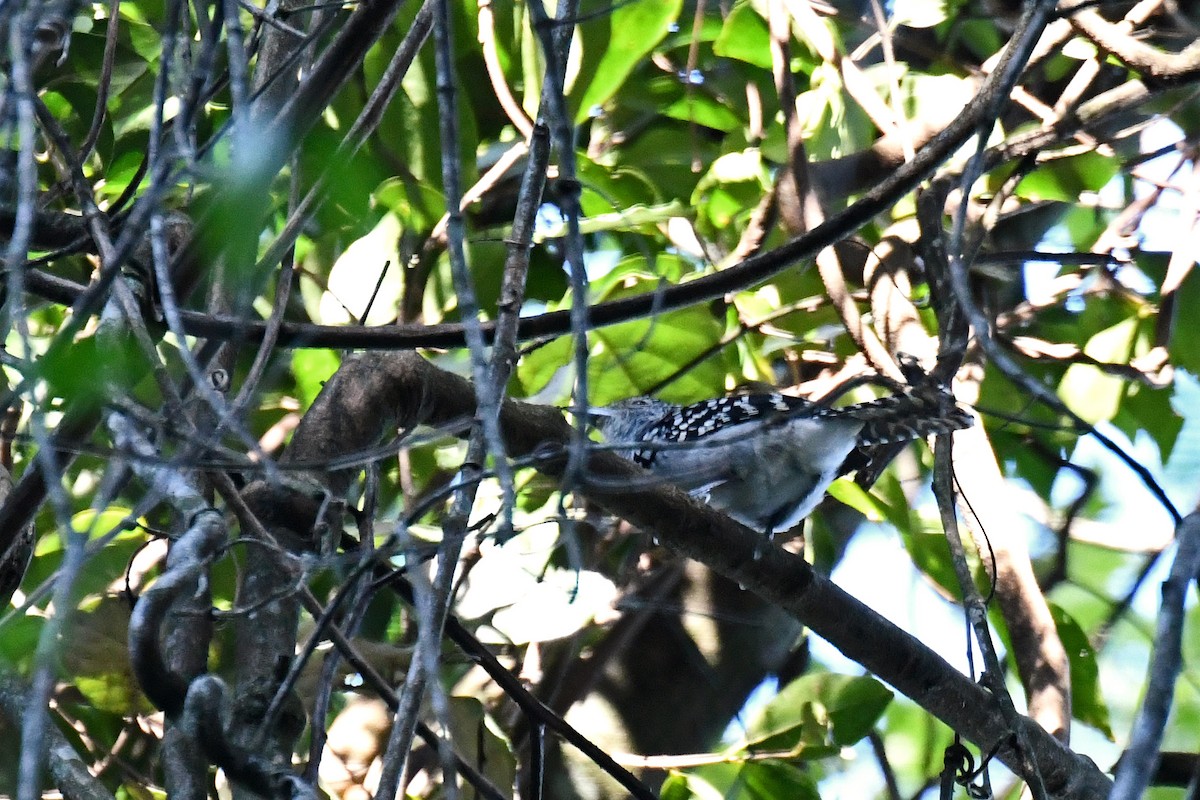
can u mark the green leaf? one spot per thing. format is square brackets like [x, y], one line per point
[538, 367]
[698, 107]
[311, 368]
[714, 781]
[97, 658]
[725, 198]
[417, 206]
[1065, 179]
[478, 739]
[366, 282]
[74, 104]
[816, 715]
[19, 638]
[95, 524]
[613, 44]
[1087, 702]
[1185, 339]
[122, 170]
[607, 188]
[772, 780]
[745, 36]
[926, 96]
[103, 567]
[676, 787]
[664, 154]
[914, 739]
[923, 538]
[858, 498]
[634, 357]
[86, 373]
[1091, 392]
[1148, 409]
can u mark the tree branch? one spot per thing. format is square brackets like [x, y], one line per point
[375, 393]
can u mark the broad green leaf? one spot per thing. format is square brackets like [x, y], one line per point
[818, 714]
[86, 57]
[634, 357]
[122, 170]
[725, 197]
[19, 638]
[416, 205]
[103, 567]
[1091, 392]
[1087, 701]
[538, 368]
[1185, 339]
[928, 96]
[772, 779]
[889, 495]
[1148, 409]
[665, 153]
[366, 282]
[1097, 569]
[311, 368]
[479, 741]
[862, 501]
[612, 46]
[96, 524]
[914, 740]
[700, 108]
[676, 787]
[74, 104]
[713, 781]
[923, 538]
[745, 36]
[608, 189]
[97, 660]
[87, 372]
[1065, 179]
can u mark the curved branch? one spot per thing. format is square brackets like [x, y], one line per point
[1156, 66]
[375, 392]
[68, 771]
[1137, 764]
[203, 717]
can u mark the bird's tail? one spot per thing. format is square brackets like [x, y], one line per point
[919, 412]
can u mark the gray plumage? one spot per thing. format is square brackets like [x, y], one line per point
[767, 459]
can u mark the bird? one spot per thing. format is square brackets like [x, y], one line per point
[767, 459]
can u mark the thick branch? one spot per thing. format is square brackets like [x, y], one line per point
[70, 774]
[374, 393]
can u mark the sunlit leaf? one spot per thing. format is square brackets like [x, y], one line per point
[558, 605]
[817, 714]
[367, 281]
[1090, 391]
[311, 369]
[853, 495]
[608, 58]
[97, 659]
[919, 13]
